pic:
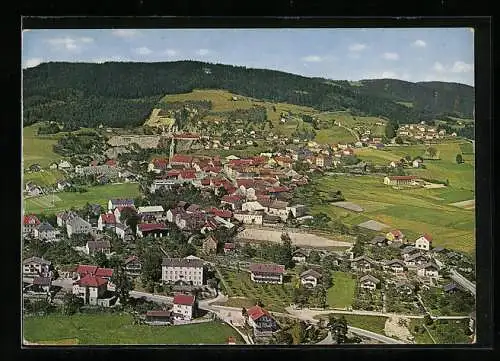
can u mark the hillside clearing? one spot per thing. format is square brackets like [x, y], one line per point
[341, 294]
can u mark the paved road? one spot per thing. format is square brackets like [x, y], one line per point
[462, 281]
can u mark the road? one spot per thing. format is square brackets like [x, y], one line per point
[462, 281]
[151, 297]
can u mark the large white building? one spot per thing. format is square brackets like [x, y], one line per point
[184, 306]
[185, 270]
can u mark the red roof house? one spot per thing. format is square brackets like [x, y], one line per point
[111, 162]
[267, 268]
[104, 272]
[185, 300]
[181, 159]
[84, 269]
[256, 312]
[31, 220]
[92, 281]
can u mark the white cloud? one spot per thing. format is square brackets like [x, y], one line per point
[391, 56]
[125, 33]
[461, 67]
[170, 52]
[143, 50]
[68, 43]
[30, 63]
[357, 47]
[202, 52]
[419, 43]
[312, 59]
[438, 67]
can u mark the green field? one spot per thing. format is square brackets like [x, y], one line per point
[341, 294]
[66, 200]
[46, 178]
[38, 149]
[370, 323]
[274, 297]
[334, 134]
[412, 211]
[440, 332]
[118, 329]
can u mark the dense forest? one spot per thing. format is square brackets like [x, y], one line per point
[123, 94]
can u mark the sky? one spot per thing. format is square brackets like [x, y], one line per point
[413, 54]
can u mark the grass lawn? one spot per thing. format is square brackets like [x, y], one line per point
[46, 178]
[274, 297]
[371, 323]
[334, 134]
[118, 329]
[413, 211]
[341, 294]
[38, 149]
[442, 332]
[99, 195]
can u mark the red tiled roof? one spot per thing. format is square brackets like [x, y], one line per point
[205, 182]
[278, 189]
[131, 259]
[397, 233]
[151, 227]
[259, 160]
[179, 158]
[283, 159]
[240, 162]
[229, 246]
[92, 281]
[31, 219]
[231, 199]
[187, 174]
[180, 299]
[256, 312]
[108, 218]
[121, 208]
[221, 213]
[214, 169]
[244, 182]
[428, 237]
[85, 269]
[104, 272]
[402, 177]
[186, 135]
[173, 173]
[111, 162]
[267, 268]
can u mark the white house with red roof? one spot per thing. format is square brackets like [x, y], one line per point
[184, 307]
[154, 229]
[229, 247]
[181, 160]
[158, 165]
[267, 273]
[424, 242]
[261, 321]
[395, 235]
[90, 288]
[106, 220]
[30, 222]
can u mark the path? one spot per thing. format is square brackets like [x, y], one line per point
[462, 281]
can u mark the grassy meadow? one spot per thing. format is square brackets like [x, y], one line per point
[66, 200]
[341, 294]
[370, 323]
[46, 178]
[118, 329]
[38, 149]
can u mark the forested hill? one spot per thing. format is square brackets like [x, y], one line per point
[123, 94]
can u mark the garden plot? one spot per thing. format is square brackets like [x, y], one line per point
[349, 206]
[373, 225]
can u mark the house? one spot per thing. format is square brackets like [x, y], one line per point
[298, 210]
[151, 211]
[30, 223]
[249, 217]
[42, 284]
[416, 259]
[45, 231]
[416, 163]
[403, 287]
[123, 232]
[77, 225]
[63, 217]
[409, 251]
[154, 229]
[368, 282]
[363, 264]
[400, 180]
[424, 242]
[378, 241]
[35, 168]
[392, 164]
[261, 321]
[53, 165]
[184, 307]
[428, 270]
[36, 266]
[114, 203]
[182, 270]
[209, 245]
[395, 266]
[65, 165]
[451, 288]
[395, 236]
[106, 220]
[133, 266]
[158, 318]
[158, 165]
[310, 278]
[300, 256]
[181, 160]
[62, 184]
[266, 273]
[33, 189]
[90, 288]
[234, 201]
[278, 208]
[93, 247]
[229, 247]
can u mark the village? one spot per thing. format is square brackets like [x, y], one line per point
[205, 226]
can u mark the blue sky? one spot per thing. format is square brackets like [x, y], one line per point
[418, 54]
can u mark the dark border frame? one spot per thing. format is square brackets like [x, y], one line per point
[484, 157]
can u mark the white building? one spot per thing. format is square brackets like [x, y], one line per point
[36, 266]
[182, 270]
[310, 278]
[424, 242]
[46, 232]
[156, 211]
[369, 282]
[248, 217]
[77, 225]
[90, 288]
[428, 270]
[184, 307]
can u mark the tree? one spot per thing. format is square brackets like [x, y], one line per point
[314, 257]
[101, 259]
[432, 152]
[123, 284]
[151, 267]
[285, 252]
[71, 304]
[389, 130]
[459, 158]
[338, 328]
[297, 331]
[428, 320]
[399, 140]
[130, 217]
